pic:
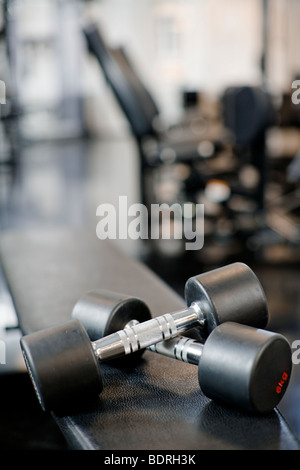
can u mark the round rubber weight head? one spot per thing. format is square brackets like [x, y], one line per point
[62, 365]
[245, 367]
[230, 293]
[103, 312]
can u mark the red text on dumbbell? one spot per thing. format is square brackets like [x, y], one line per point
[282, 382]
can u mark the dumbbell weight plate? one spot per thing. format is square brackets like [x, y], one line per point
[102, 313]
[246, 366]
[62, 365]
[230, 293]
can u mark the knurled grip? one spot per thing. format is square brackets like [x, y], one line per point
[134, 338]
[141, 335]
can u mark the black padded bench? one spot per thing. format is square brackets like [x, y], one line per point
[156, 405]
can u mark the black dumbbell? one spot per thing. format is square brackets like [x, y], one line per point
[240, 365]
[231, 293]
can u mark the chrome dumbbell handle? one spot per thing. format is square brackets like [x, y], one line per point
[137, 336]
[231, 293]
[180, 348]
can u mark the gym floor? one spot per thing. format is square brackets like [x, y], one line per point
[62, 184]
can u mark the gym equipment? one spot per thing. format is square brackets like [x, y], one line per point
[56, 357]
[237, 349]
[239, 365]
[230, 293]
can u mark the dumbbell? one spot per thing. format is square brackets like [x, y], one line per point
[63, 361]
[230, 293]
[238, 365]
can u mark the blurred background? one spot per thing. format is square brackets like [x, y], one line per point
[162, 101]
